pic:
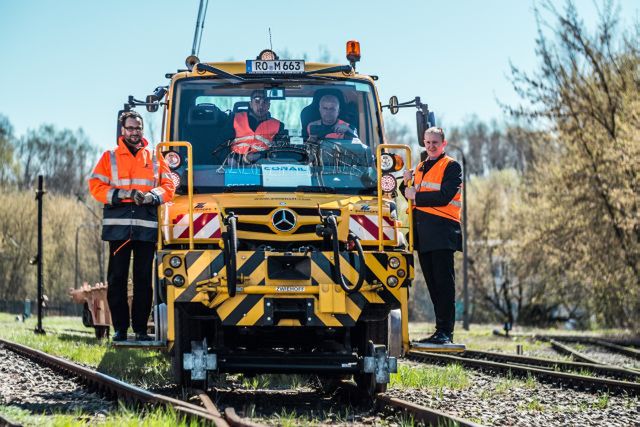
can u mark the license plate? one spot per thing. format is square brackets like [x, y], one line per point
[275, 67]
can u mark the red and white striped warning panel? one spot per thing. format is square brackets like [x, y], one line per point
[205, 226]
[366, 227]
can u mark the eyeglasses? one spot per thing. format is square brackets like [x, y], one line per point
[133, 128]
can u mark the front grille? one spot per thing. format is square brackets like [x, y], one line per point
[254, 228]
[268, 210]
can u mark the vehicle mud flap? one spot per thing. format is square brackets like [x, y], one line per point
[395, 333]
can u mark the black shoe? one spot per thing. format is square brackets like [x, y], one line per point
[119, 336]
[143, 337]
[440, 338]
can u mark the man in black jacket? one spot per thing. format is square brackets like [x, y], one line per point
[436, 194]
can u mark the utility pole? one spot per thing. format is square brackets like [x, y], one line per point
[465, 255]
[39, 197]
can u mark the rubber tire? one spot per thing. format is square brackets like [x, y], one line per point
[185, 332]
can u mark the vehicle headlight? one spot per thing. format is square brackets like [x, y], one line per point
[392, 281]
[387, 162]
[175, 261]
[394, 262]
[168, 272]
[173, 159]
[179, 280]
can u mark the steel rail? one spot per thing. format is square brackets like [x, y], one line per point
[608, 370]
[5, 422]
[635, 342]
[627, 351]
[423, 414]
[114, 387]
[564, 349]
[546, 374]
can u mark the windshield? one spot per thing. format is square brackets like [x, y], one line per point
[312, 136]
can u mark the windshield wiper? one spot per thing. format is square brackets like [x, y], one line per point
[339, 68]
[314, 189]
[218, 71]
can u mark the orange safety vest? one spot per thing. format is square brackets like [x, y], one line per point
[249, 141]
[431, 181]
[332, 135]
[120, 170]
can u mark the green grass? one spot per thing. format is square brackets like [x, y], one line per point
[602, 402]
[121, 417]
[533, 405]
[67, 338]
[450, 376]
[480, 337]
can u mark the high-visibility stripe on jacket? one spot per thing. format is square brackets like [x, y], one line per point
[249, 141]
[332, 135]
[431, 181]
[118, 169]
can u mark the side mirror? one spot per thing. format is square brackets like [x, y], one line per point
[421, 126]
[152, 103]
[393, 105]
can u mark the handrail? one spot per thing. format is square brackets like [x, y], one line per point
[379, 173]
[189, 184]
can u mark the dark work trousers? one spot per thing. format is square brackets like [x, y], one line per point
[142, 291]
[437, 267]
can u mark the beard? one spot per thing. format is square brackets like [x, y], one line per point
[135, 141]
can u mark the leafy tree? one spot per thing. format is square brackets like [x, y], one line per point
[585, 183]
[64, 157]
[7, 164]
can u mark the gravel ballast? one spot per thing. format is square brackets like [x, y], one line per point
[497, 400]
[39, 390]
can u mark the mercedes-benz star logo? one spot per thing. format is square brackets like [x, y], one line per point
[283, 220]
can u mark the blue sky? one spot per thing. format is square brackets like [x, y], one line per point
[73, 63]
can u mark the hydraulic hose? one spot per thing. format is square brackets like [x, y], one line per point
[338, 277]
[230, 253]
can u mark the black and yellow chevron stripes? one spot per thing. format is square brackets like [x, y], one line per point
[261, 308]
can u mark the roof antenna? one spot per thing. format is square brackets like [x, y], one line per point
[270, 44]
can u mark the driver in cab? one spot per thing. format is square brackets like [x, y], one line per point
[254, 129]
[330, 126]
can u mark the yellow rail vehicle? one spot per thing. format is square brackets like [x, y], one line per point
[285, 258]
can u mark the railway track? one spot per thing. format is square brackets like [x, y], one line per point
[543, 373]
[130, 394]
[592, 368]
[208, 413]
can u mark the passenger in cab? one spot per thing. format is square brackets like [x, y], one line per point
[254, 129]
[329, 125]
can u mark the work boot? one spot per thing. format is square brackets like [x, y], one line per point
[439, 338]
[119, 336]
[143, 337]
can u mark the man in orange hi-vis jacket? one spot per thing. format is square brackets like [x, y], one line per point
[131, 182]
[437, 199]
